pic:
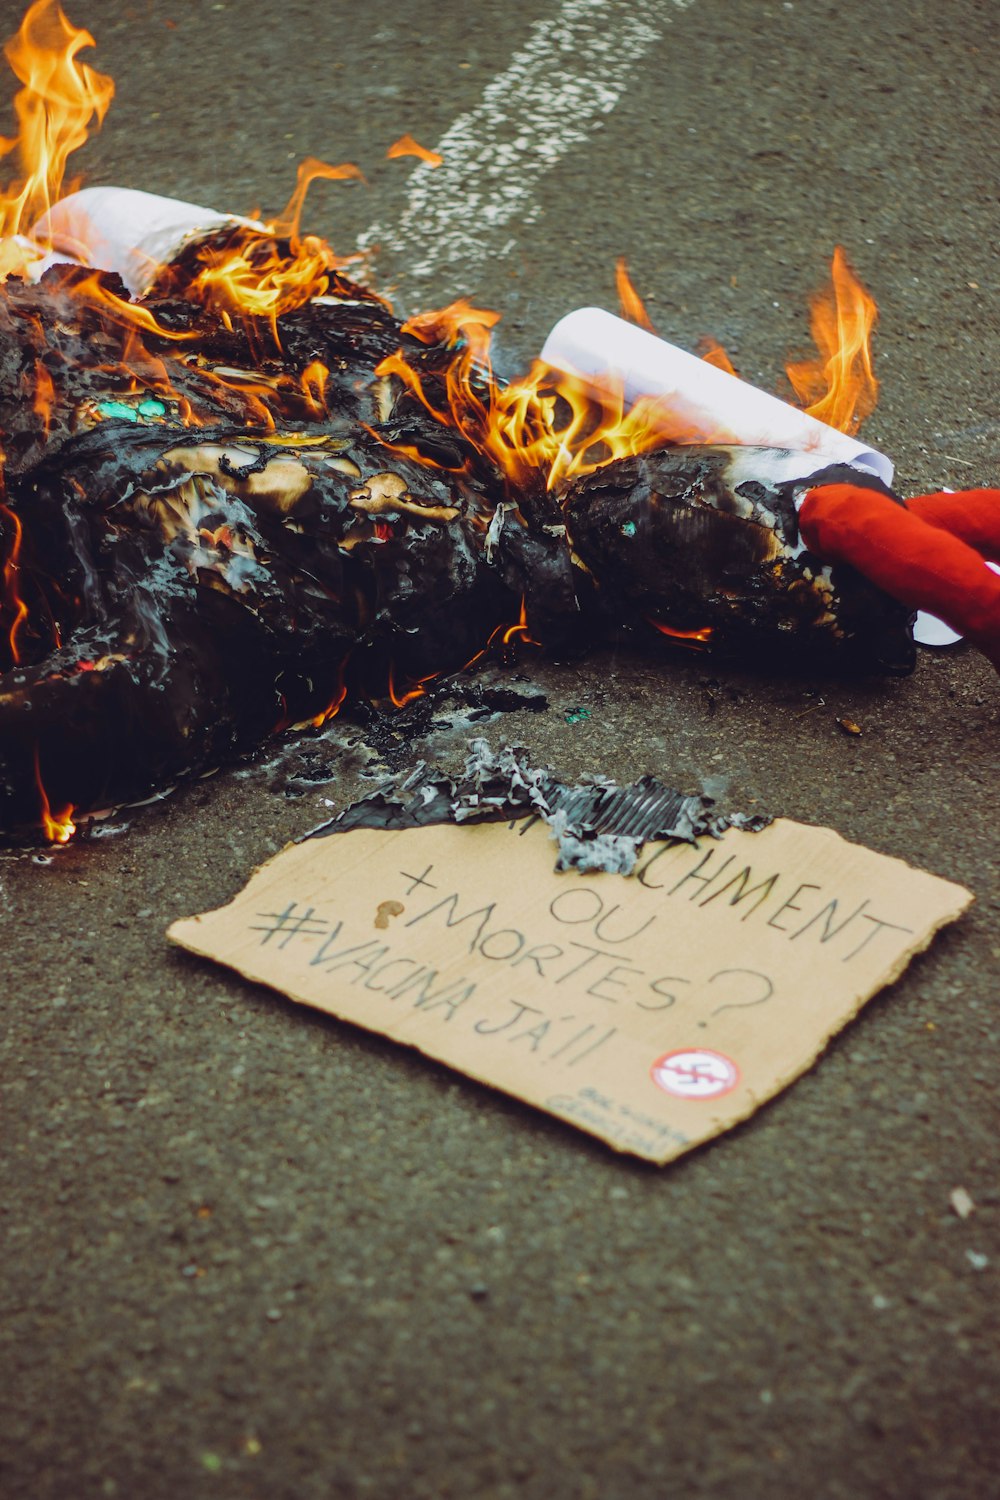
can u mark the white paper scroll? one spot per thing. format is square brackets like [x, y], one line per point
[124, 230]
[705, 403]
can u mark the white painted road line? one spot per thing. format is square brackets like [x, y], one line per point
[572, 71]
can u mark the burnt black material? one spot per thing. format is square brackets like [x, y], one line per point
[677, 537]
[259, 543]
[597, 824]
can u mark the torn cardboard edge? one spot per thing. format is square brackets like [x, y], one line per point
[653, 1010]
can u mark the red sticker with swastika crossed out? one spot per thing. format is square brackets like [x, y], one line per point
[695, 1073]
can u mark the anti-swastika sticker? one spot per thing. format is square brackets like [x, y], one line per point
[695, 1074]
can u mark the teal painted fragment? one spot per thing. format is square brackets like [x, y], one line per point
[118, 409]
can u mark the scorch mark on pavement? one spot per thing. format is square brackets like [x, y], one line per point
[572, 71]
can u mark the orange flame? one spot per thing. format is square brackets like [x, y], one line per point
[512, 425]
[694, 638]
[11, 597]
[313, 382]
[54, 109]
[286, 225]
[838, 386]
[45, 394]
[407, 146]
[632, 306]
[506, 635]
[714, 354]
[316, 721]
[254, 276]
[332, 708]
[548, 422]
[126, 314]
[551, 423]
[520, 628]
[58, 827]
[416, 689]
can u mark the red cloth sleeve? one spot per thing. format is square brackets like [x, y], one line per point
[971, 515]
[919, 563]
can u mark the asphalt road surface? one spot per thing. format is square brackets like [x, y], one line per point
[254, 1254]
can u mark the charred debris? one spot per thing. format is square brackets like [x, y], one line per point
[212, 529]
[595, 823]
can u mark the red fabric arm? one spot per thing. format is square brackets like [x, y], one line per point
[971, 515]
[914, 561]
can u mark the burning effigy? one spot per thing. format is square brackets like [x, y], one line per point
[238, 489]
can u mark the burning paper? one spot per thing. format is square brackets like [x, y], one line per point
[692, 398]
[130, 233]
[653, 1011]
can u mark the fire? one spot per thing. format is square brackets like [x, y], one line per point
[127, 315]
[258, 274]
[632, 306]
[546, 422]
[331, 710]
[313, 381]
[407, 146]
[545, 427]
[263, 273]
[633, 309]
[506, 635]
[519, 630]
[58, 827]
[714, 354]
[316, 721]
[416, 689]
[54, 110]
[45, 392]
[553, 423]
[11, 596]
[517, 425]
[693, 638]
[838, 386]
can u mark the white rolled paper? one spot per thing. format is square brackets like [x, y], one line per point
[703, 402]
[128, 231]
[36, 269]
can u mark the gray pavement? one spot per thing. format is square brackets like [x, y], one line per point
[250, 1252]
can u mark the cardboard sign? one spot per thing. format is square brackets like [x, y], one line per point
[653, 1011]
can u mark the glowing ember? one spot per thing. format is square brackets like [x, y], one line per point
[44, 394]
[694, 638]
